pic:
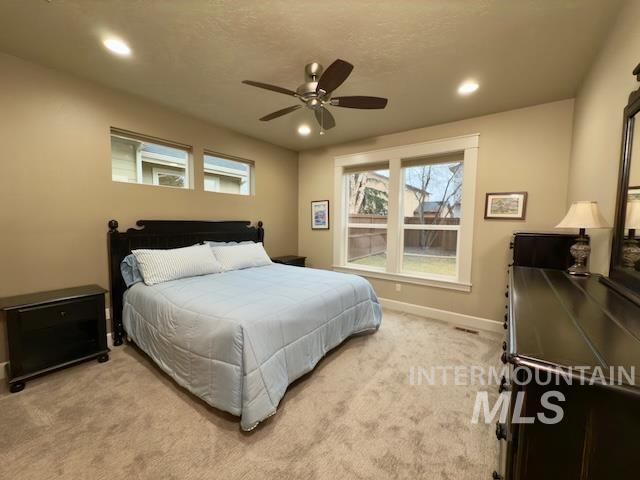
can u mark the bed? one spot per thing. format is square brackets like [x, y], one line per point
[235, 339]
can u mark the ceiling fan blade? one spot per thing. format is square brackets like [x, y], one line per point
[279, 113]
[357, 101]
[267, 86]
[334, 75]
[325, 119]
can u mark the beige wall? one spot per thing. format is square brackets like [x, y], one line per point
[520, 150]
[597, 130]
[56, 193]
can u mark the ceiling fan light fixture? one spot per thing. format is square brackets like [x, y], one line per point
[304, 130]
[315, 94]
[467, 88]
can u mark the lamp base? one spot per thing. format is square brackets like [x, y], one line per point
[580, 252]
[578, 270]
[630, 252]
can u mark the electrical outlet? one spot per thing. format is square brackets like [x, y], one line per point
[398, 287]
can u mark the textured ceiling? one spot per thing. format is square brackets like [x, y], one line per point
[191, 55]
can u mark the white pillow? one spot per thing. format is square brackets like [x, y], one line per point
[236, 257]
[212, 243]
[157, 266]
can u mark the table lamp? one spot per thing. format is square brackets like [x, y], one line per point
[582, 215]
[631, 249]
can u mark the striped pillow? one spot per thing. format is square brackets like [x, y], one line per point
[157, 266]
[236, 257]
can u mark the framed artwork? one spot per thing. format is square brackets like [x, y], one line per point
[633, 193]
[320, 215]
[506, 206]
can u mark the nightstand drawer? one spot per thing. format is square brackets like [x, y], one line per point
[57, 314]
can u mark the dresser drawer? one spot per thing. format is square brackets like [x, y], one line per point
[57, 314]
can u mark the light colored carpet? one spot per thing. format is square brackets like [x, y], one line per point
[355, 416]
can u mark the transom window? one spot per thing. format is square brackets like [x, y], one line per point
[226, 175]
[407, 213]
[138, 159]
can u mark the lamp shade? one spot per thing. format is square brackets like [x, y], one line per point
[585, 214]
[633, 215]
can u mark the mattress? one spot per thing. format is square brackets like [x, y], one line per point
[238, 339]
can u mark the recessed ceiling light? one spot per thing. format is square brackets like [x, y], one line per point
[468, 87]
[117, 46]
[304, 130]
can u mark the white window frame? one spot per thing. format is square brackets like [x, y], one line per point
[468, 145]
[230, 172]
[153, 158]
[156, 171]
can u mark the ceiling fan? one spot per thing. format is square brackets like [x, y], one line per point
[315, 93]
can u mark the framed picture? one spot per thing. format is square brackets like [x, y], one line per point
[320, 215]
[506, 206]
[633, 193]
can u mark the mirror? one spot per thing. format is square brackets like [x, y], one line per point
[624, 271]
[630, 254]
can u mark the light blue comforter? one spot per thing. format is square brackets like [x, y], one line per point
[238, 339]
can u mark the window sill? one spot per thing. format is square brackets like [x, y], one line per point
[404, 278]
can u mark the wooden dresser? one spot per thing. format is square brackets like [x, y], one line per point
[555, 321]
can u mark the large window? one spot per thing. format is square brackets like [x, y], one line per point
[137, 159]
[368, 207]
[432, 201]
[407, 213]
[226, 175]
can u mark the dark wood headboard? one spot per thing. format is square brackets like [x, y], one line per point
[164, 234]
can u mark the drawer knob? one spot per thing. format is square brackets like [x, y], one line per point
[501, 433]
[63, 313]
[496, 476]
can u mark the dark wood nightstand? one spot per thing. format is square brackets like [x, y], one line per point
[294, 260]
[52, 330]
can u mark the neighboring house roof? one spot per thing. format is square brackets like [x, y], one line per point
[428, 207]
[214, 162]
[434, 207]
[174, 153]
[228, 168]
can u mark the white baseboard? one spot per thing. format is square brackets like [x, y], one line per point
[109, 338]
[460, 319]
